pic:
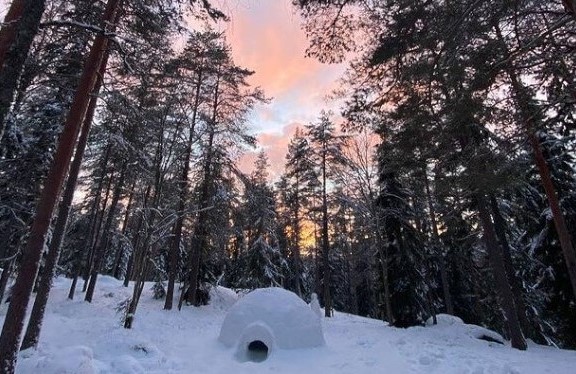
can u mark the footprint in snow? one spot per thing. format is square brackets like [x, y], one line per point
[426, 360]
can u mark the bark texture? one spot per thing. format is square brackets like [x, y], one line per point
[18, 31]
[37, 315]
[14, 322]
[503, 289]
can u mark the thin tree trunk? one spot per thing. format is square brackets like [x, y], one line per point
[100, 252]
[16, 35]
[383, 250]
[201, 232]
[325, 240]
[136, 293]
[503, 289]
[94, 240]
[175, 248]
[8, 269]
[87, 242]
[120, 253]
[14, 322]
[297, 234]
[37, 316]
[130, 269]
[441, 262]
[141, 267]
[140, 263]
[190, 293]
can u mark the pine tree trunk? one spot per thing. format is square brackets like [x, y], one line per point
[16, 36]
[503, 289]
[558, 216]
[37, 316]
[517, 290]
[175, 247]
[523, 101]
[14, 322]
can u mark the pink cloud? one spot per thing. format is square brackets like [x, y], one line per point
[266, 37]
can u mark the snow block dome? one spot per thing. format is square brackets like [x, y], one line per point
[267, 319]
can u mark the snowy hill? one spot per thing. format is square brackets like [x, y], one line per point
[88, 338]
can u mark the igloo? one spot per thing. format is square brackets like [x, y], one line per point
[267, 319]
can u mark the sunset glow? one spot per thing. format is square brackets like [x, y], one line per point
[266, 37]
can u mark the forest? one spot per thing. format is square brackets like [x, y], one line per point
[444, 183]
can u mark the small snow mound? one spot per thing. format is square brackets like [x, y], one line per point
[458, 327]
[108, 281]
[273, 316]
[222, 297]
[127, 364]
[479, 332]
[445, 320]
[69, 360]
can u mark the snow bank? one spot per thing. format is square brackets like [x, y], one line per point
[274, 316]
[69, 360]
[222, 298]
[457, 326]
[445, 320]
[80, 337]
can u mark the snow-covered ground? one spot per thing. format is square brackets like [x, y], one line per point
[88, 338]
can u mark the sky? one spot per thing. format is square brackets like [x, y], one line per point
[266, 37]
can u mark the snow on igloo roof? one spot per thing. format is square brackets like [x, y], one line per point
[282, 313]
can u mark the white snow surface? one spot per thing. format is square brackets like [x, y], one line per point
[274, 316]
[79, 337]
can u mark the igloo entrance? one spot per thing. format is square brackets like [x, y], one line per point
[257, 351]
[268, 319]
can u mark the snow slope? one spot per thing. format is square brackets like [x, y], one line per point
[82, 338]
